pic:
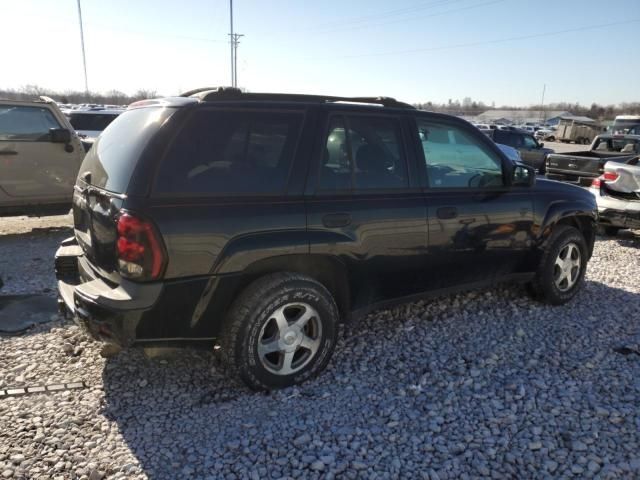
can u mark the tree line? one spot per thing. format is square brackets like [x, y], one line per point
[467, 106]
[112, 97]
[596, 111]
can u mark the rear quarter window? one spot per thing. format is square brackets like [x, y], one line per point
[231, 152]
[115, 154]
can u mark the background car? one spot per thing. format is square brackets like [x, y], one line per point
[91, 123]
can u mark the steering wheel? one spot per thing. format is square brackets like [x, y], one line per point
[477, 177]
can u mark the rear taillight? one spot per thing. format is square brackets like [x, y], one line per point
[597, 182]
[610, 176]
[141, 255]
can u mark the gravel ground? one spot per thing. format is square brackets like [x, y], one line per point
[483, 384]
[27, 247]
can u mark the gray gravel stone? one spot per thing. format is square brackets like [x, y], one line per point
[457, 387]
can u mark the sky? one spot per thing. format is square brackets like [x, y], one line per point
[501, 51]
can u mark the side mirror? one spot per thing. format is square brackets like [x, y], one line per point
[541, 144]
[59, 135]
[523, 176]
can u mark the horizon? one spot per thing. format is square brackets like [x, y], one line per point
[491, 51]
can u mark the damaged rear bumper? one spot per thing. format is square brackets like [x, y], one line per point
[617, 212]
[109, 312]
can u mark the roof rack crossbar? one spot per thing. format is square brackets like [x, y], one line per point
[227, 93]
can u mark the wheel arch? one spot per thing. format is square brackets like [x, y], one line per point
[576, 216]
[327, 270]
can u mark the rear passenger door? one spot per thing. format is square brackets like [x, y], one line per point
[480, 227]
[364, 205]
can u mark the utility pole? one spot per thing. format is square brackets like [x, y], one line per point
[84, 57]
[544, 88]
[234, 40]
[233, 81]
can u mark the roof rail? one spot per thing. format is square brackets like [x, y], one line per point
[218, 90]
[230, 93]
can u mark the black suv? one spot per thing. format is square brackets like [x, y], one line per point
[531, 152]
[258, 222]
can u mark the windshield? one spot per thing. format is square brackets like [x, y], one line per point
[114, 155]
[91, 121]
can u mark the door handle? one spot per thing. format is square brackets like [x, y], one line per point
[447, 213]
[8, 152]
[334, 220]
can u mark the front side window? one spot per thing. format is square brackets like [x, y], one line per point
[456, 159]
[529, 142]
[226, 152]
[26, 123]
[363, 153]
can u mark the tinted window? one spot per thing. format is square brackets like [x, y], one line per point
[369, 157]
[115, 153]
[456, 159]
[231, 152]
[91, 121]
[26, 123]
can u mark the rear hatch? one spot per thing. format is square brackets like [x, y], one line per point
[103, 182]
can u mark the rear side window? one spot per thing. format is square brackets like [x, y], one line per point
[26, 123]
[231, 152]
[363, 153]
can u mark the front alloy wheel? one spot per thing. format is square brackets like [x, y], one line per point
[567, 267]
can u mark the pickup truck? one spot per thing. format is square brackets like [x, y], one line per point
[582, 167]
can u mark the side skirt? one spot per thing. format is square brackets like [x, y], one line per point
[513, 278]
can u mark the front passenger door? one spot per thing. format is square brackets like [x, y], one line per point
[480, 228]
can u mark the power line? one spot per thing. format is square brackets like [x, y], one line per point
[420, 17]
[388, 13]
[487, 42]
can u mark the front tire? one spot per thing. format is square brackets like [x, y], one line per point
[279, 332]
[562, 267]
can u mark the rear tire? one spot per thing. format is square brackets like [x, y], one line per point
[611, 231]
[562, 267]
[280, 331]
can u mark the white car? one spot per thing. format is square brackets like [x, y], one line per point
[91, 123]
[617, 193]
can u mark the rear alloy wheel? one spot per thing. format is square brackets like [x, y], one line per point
[290, 338]
[280, 331]
[562, 266]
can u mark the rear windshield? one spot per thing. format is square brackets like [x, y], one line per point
[114, 155]
[621, 145]
[91, 121]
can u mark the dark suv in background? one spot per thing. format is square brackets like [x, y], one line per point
[531, 151]
[260, 221]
